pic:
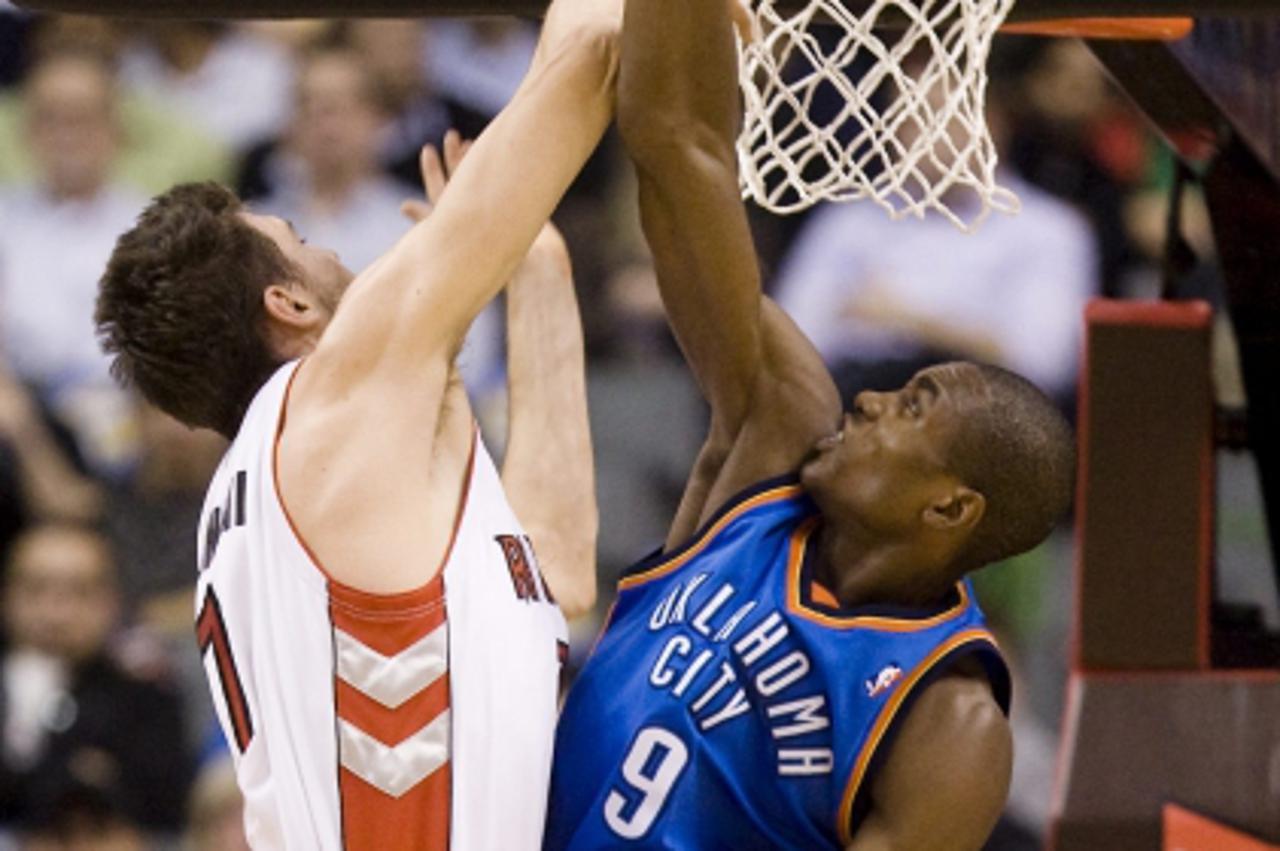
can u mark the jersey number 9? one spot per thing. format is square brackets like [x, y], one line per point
[652, 766]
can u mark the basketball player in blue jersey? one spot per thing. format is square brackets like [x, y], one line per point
[804, 666]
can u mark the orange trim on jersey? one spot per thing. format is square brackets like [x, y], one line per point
[336, 587]
[797, 606]
[820, 594]
[886, 718]
[677, 561]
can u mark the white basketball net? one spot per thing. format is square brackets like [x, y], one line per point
[887, 104]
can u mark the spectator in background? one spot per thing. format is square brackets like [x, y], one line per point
[392, 52]
[84, 817]
[55, 236]
[1075, 136]
[639, 467]
[326, 177]
[37, 481]
[217, 809]
[72, 716]
[152, 519]
[227, 80]
[155, 148]
[477, 65]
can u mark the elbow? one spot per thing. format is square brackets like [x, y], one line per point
[676, 144]
[574, 584]
[602, 40]
[578, 599]
[567, 560]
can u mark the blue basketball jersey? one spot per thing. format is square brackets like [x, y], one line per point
[725, 708]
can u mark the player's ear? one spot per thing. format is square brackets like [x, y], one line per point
[290, 305]
[958, 509]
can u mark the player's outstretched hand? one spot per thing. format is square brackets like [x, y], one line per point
[436, 171]
[549, 247]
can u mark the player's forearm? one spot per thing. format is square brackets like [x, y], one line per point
[677, 85]
[696, 226]
[519, 169]
[548, 470]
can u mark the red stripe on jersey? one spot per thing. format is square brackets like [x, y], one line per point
[393, 649]
[211, 633]
[388, 623]
[392, 726]
[417, 820]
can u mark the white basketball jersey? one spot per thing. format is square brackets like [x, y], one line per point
[420, 720]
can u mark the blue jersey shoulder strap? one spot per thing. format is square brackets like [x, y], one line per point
[780, 498]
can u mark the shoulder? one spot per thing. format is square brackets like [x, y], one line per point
[946, 778]
[958, 710]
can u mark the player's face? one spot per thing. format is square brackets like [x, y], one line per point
[323, 274]
[886, 464]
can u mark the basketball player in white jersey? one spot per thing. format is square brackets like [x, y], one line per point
[382, 645]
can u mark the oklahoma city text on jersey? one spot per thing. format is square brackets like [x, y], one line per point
[711, 648]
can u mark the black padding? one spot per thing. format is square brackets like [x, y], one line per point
[1146, 486]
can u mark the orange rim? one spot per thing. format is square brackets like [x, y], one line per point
[1142, 29]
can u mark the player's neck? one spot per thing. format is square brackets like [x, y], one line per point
[862, 572]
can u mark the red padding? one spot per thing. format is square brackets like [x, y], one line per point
[1162, 314]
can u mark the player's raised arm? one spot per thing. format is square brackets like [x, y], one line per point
[548, 470]
[678, 112]
[415, 304]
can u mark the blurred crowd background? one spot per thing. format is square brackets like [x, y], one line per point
[107, 737]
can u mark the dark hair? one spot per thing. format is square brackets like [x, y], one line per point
[180, 306]
[1018, 451]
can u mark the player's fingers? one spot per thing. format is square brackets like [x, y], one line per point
[433, 177]
[415, 210]
[455, 154]
[744, 22]
[452, 149]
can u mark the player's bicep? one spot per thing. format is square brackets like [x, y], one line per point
[947, 775]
